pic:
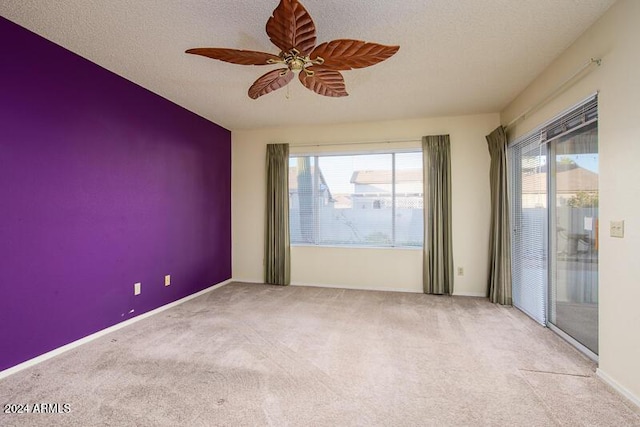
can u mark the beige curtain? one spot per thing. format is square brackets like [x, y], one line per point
[277, 244]
[499, 287]
[438, 252]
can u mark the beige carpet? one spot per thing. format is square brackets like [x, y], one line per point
[292, 356]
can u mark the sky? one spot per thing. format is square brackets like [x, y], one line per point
[586, 161]
[337, 170]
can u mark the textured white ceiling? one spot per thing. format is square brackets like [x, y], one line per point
[456, 56]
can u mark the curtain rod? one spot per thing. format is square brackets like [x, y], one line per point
[555, 91]
[388, 141]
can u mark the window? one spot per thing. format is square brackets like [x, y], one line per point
[356, 200]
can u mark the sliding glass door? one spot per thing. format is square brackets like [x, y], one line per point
[573, 297]
[554, 215]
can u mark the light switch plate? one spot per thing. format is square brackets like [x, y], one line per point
[616, 229]
[137, 288]
[167, 280]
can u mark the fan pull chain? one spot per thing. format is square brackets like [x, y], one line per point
[288, 95]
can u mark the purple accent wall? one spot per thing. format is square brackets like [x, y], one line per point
[102, 184]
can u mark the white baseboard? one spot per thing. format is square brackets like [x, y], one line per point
[250, 281]
[362, 288]
[470, 294]
[367, 288]
[53, 353]
[618, 387]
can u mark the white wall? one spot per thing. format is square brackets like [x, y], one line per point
[614, 38]
[387, 269]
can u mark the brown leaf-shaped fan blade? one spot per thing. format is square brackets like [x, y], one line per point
[269, 82]
[291, 27]
[324, 82]
[235, 56]
[345, 54]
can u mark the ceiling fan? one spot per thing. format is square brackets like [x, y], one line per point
[292, 30]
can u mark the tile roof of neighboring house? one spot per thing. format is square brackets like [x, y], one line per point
[384, 176]
[570, 180]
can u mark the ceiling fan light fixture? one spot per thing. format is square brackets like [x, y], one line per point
[295, 61]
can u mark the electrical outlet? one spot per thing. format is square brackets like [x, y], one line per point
[616, 229]
[460, 271]
[167, 280]
[137, 288]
